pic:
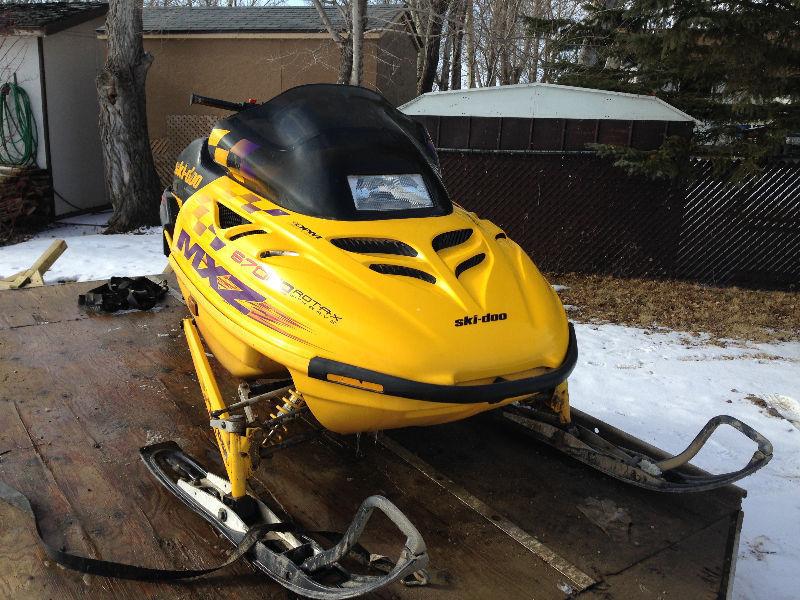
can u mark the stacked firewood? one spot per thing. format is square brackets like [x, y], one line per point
[25, 196]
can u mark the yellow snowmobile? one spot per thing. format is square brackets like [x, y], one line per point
[324, 263]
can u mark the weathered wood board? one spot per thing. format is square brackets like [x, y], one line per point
[79, 394]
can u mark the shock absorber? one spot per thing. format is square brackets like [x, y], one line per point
[286, 409]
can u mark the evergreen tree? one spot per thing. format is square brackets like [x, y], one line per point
[734, 65]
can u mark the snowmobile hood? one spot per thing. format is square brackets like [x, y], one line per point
[317, 224]
[444, 300]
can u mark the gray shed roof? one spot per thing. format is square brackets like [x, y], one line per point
[48, 17]
[259, 19]
[543, 100]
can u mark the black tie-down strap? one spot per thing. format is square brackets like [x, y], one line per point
[118, 570]
[123, 293]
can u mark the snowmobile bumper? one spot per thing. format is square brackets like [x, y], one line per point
[286, 553]
[337, 372]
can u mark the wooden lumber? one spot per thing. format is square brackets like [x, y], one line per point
[33, 277]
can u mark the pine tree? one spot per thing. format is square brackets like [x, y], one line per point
[733, 65]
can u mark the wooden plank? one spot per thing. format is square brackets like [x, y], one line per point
[80, 395]
[34, 274]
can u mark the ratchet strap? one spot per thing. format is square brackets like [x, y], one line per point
[118, 570]
[123, 293]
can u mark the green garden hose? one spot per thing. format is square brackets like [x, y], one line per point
[18, 135]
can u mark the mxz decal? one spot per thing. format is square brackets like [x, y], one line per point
[235, 293]
[189, 176]
[475, 319]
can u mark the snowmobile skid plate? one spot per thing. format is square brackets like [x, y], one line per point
[602, 447]
[285, 553]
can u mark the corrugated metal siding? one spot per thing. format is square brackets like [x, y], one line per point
[576, 212]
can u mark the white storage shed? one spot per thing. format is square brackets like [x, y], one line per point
[52, 50]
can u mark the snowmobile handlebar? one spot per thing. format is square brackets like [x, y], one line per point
[217, 103]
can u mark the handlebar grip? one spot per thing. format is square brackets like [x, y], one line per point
[216, 103]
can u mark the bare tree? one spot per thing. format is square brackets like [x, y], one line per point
[131, 180]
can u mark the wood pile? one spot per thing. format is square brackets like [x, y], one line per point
[23, 192]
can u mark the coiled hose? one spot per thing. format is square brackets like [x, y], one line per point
[19, 137]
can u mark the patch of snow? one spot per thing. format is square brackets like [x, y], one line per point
[656, 387]
[787, 407]
[90, 255]
[560, 288]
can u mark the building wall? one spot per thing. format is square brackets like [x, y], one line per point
[246, 67]
[20, 55]
[72, 60]
[397, 67]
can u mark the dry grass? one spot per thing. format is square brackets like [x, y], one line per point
[724, 313]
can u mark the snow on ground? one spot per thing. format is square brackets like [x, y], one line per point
[90, 255]
[659, 386]
[663, 387]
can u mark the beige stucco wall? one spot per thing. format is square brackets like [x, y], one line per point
[397, 67]
[241, 68]
[72, 59]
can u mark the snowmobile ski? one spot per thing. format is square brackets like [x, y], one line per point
[602, 447]
[286, 553]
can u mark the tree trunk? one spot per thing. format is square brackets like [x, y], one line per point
[359, 24]
[444, 76]
[131, 180]
[346, 61]
[458, 44]
[469, 25]
[431, 59]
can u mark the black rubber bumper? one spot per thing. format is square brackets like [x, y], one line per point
[325, 369]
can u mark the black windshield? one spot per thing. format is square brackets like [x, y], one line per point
[299, 149]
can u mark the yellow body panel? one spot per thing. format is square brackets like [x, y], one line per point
[271, 301]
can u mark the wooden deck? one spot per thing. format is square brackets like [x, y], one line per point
[79, 394]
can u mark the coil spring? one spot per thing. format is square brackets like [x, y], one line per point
[286, 405]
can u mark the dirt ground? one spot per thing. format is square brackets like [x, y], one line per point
[722, 312]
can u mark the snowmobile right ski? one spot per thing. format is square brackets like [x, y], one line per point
[602, 447]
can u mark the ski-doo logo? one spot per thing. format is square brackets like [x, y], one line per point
[190, 176]
[313, 234]
[475, 319]
[215, 274]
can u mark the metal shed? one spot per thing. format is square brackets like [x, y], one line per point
[541, 116]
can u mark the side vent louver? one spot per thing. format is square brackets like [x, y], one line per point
[374, 246]
[450, 239]
[469, 263]
[404, 271]
[500, 236]
[244, 233]
[228, 218]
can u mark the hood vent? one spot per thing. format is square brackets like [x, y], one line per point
[404, 271]
[228, 218]
[469, 263]
[244, 233]
[374, 246]
[450, 239]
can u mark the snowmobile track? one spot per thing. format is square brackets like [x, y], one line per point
[79, 395]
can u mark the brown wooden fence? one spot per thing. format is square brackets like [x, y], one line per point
[573, 211]
[577, 212]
